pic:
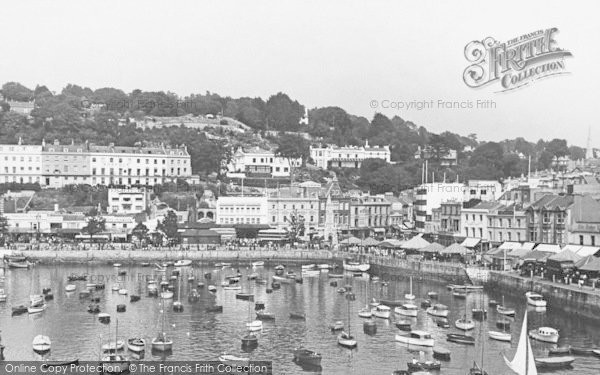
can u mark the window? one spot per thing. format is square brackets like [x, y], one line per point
[581, 240]
[593, 238]
[546, 218]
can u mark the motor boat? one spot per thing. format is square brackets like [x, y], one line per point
[307, 357]
[123, 292]
[545, 334]
[136, 344]
[308, 267]
[245, 296]
[347, 340]
[407, 309]
[382, 311]
[438, 310]
[416, 337]
[70, 287]
[501, 309]
[535, 299]
[36, 300]
[41, 344]
[259, 263]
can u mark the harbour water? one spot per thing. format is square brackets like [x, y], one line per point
[201, 335]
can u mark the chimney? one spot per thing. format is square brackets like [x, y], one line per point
[56, 207]
[20, 141]
[43, 142]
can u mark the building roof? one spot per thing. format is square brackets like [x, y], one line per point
[585, 209]
[456, 249]
[370, 241]
[415, 243]
[432, 248]
[565, 256]
[551, 248]
[593, 265]
[553, 202]
[391, 243]
[470, 242]
[509, 245]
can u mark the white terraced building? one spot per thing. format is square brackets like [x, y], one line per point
[331, 156]
[20, 163]
[56, 165]
[257, 162]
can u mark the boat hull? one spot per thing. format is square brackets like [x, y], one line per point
[553, 339]
[499, 336]
[438, 313]
[414, 341]
[554, 362]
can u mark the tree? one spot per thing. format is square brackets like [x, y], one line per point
[283, 113]
[296, 226]
[169, 227]
[95, 225]
[16, 91]
[140, 232]
[3, 229]
[3, 226]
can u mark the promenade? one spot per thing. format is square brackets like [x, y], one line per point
[172, 254]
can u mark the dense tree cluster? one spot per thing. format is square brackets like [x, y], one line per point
[67, 116]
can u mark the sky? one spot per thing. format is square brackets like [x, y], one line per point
[350, 54]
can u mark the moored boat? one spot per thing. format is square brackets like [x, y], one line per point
[554, 362]
[264, 315]
[562, 350]
[505, 310]
[441, 353]
[499, 336]
[308, 357]
[416, 337]
[337, 325]
[347, 340]
[535, 299]
[382, 311]
[41, 344]
[545, 334]
[297, 316]
[460, 339]
[136, 344]
[355, 266]
[403, 325]
[183, 263]
[465, 324]
[407, 309]
[245, 296]
[438, 310]
[255, 325]
[259, 263]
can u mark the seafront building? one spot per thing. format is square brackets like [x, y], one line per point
[57, 165]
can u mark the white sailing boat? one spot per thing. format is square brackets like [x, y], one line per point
[346, 339]
[366, 312]
[410, 296]
[523, 363]
[161, 342]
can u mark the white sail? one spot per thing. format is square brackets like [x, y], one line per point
[523, 362]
